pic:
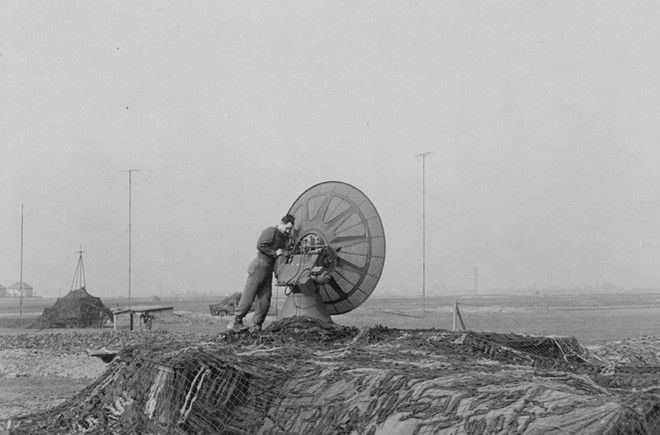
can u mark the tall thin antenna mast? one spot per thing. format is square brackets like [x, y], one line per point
[130, 180]
[79, 280]
[423, 156]
[20, 281]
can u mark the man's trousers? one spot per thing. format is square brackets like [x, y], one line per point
[259, 285]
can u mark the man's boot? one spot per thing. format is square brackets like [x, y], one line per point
[238, 325]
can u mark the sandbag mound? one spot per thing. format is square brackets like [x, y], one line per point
[343, 380]
[77, 309]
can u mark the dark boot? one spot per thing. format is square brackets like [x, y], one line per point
[238, 325]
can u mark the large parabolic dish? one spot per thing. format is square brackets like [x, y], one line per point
[344, 219]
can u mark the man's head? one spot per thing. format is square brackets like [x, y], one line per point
[286, 223]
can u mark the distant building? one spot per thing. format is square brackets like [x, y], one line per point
[14, 290]
[3, 291]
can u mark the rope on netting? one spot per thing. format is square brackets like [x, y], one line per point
[227, 387]
[193, 384]
[155, 390]
[196, 385]
[258, 350]
[114, 374]
[118, 407]
[90, 426]
[560, 349]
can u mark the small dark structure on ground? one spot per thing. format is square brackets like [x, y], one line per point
[78, 309]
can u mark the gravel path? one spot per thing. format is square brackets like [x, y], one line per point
[33, 380]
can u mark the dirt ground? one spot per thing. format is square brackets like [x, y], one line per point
[33, 380]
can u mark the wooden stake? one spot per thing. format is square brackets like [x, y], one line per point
[460, 318]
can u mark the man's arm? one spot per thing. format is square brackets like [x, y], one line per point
[264, 242]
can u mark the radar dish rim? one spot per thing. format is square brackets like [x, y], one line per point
[351, 294]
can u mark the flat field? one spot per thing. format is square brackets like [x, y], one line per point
[591, 318]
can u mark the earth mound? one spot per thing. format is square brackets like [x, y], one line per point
[77, 309]
[302, 376]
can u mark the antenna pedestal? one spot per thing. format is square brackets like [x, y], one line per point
[306, 302]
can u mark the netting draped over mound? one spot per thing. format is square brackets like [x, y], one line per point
[77, 309]
[300, 376]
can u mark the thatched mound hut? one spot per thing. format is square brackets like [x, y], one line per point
[78, 309]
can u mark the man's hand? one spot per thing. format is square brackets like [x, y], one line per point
[279, 252]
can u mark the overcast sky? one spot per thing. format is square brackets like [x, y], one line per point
[543, 118]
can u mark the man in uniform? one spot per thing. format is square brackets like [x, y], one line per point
[260, 274]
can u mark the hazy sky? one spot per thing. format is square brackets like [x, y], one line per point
[544, 120]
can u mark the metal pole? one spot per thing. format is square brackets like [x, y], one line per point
[78, 277]
[130, 176]
[130, 187]
[20, 281]
[423, 156]
[423, 236]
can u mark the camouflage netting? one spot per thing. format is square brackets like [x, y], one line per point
[638, 351]
[78, 309]
[226, 306]
[299, 376]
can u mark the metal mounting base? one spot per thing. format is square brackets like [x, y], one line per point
[306, 303]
